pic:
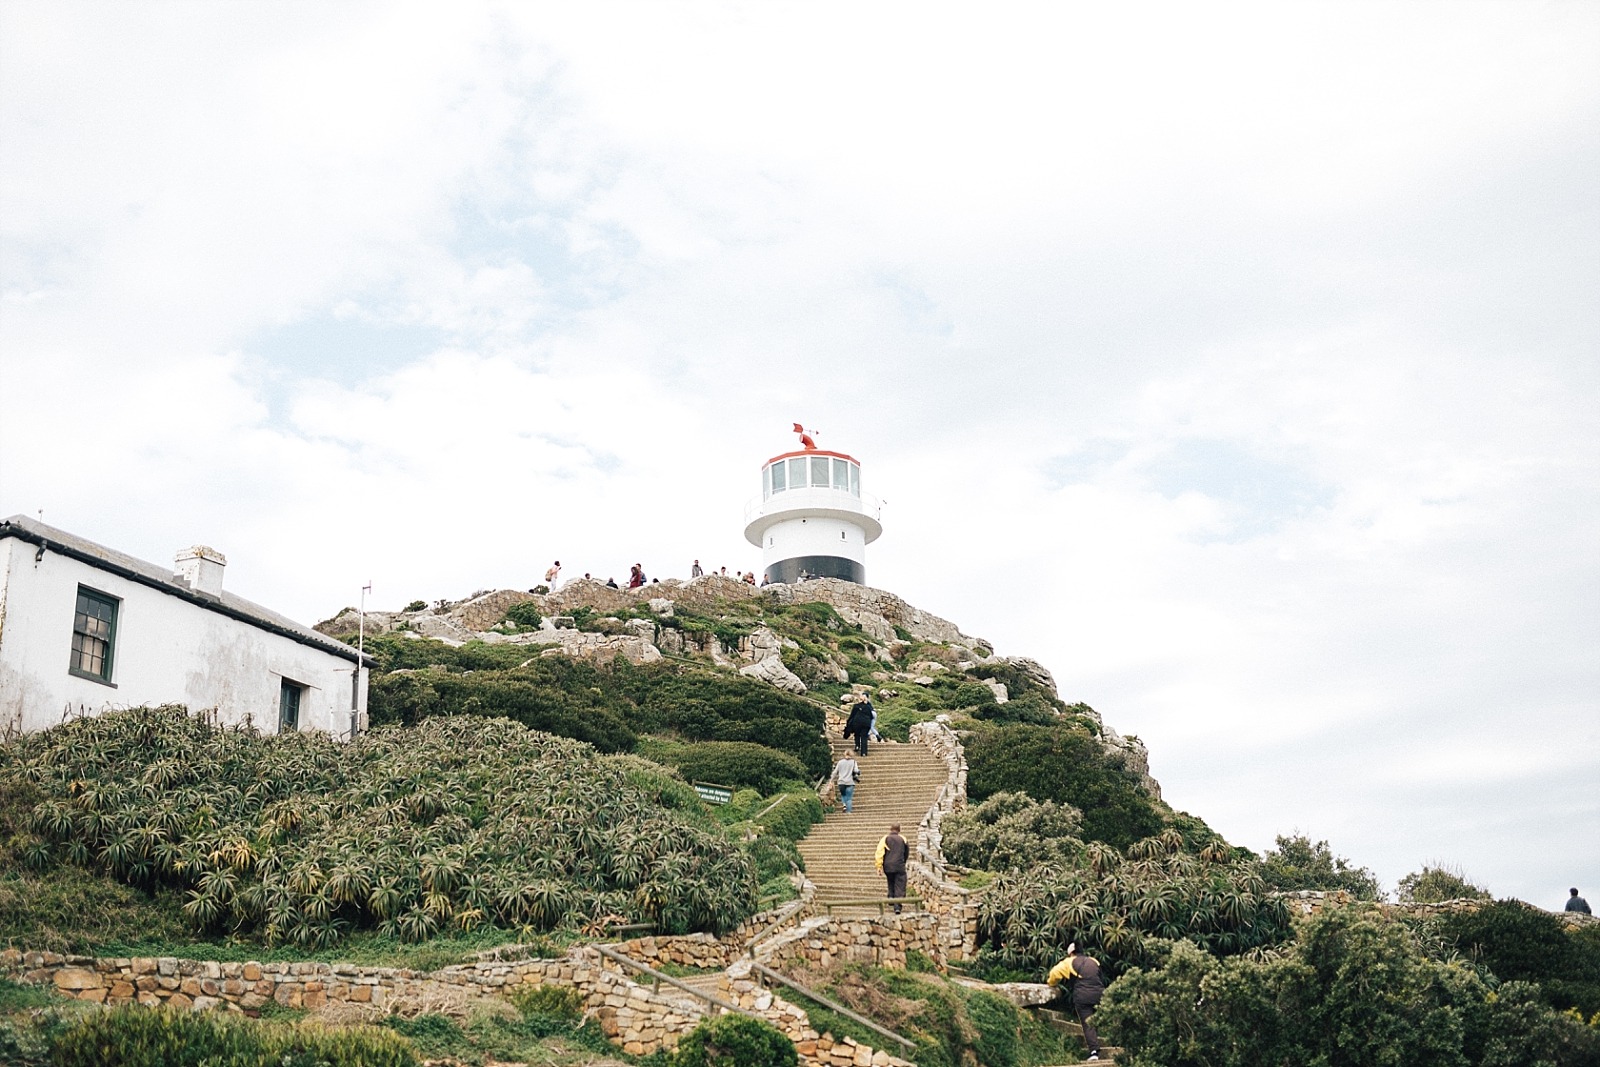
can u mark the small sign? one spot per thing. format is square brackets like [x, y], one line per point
[714, 794]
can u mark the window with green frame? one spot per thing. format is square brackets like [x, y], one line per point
[94, 635]
[289, 705]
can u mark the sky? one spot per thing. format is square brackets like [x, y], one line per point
[1237, 362]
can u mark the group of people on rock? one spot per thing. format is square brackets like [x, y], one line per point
[636, 576]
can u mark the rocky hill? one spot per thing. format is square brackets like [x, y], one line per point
[874, 641]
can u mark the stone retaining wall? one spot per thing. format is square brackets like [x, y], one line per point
[638, 1017]
[927, 876]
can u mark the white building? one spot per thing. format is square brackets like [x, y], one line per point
[84, 628]
[813, 521]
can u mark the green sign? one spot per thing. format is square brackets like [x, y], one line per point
[714, 794]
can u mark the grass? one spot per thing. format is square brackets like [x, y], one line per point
[368, 949]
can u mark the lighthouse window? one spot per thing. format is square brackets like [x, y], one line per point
[797, 473]
[841, 475]
[819, 471]
[855, 480]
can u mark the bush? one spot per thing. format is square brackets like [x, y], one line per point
[1032, 709]
[1298, 864]
[739, 764]
[735, 1041]
[454, 824]
[525, 615]
[525, 696]
[1436, 883]
[1069, 767]
[1520, 943]
[1353, 988]
[141, 1037]
[1013, 831]
[793, 816]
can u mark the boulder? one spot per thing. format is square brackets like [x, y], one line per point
[1036, 671]
[772, 671]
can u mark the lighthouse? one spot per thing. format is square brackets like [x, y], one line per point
[812, 520]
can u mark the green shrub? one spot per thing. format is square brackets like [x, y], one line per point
[793, 815]
[1352, 988]
[558, 1000]
[1032, 709]
[997, 1022]
[525, 615]
[525, 696]
[741, 764]
[735, 1041]
[1297, 863]
[1436, 883]
[1012, 831]
[1126, 906]
[774, 857]
[1520, 943]
[455, 824]
[1067, 766]
[142, 1037]
[416, 605]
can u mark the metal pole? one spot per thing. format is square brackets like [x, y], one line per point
[361, 654]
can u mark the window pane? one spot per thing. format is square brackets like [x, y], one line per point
[841, 475]
[855, 479]
[819, 471]
[766, 482]
[93, 628]
[776, 471]
[797, 473]
[289, 707]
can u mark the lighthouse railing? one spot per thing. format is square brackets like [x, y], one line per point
[818, 497]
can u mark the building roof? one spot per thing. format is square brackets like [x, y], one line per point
[50, 539]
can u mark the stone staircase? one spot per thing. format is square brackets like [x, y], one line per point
[1064, 1022]
[899, 783]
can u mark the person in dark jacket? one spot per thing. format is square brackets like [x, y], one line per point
[859, 725]
[892, 855]
[1082, 974]
[1577, 903]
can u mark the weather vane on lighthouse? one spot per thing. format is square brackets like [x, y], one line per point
[812, 521]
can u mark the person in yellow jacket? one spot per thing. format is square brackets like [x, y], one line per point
[892, 855]
[1082, 975]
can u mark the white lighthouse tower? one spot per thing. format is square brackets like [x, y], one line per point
[812, 520]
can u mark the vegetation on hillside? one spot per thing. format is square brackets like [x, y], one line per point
[454, 824]
[1352, 987]
[1121, 904]
[1298, 863]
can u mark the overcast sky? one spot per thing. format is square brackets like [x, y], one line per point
[1237, 362]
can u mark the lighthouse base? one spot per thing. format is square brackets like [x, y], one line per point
[790, 570]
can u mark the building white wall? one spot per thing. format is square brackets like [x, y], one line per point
[166, 650]
[813, 536]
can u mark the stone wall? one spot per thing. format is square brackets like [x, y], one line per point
[640, 1016]
[927, 877]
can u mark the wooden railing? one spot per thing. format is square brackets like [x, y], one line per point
[657, 978]
[881, 902]
[831, 1005]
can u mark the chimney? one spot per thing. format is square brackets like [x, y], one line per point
[200, 568]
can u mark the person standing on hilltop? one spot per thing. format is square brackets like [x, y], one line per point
[636, 576]
[846, 773]
[892, 855]
[696, 571]
[1577, 903]
[550, 575]
[1082, 975]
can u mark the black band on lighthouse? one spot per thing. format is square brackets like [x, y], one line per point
[789, 570]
